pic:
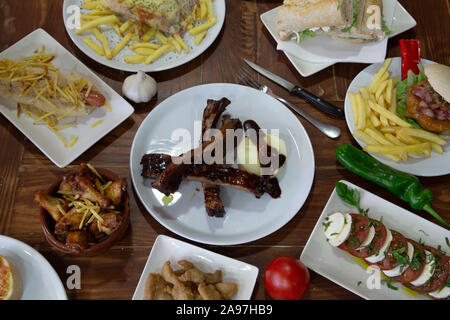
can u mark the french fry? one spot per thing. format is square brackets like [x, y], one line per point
[422, 148]
[394, 140]
[210, 9]
[153, 46]
[354, 104]
[389, 115]
[181, 42]
[203, 9]
[375, 121]
[95, 23]
[175, 44]
[422, 134]
[361, 112]
[121, 44]
[364, 137]
[437, 148]
[94, 46]
[204, 26]
[134, 59]
[159, 52]
[124, 27]
[102, 39]
[144, 51]
[150, 34]
[199, 37]
[378, 136]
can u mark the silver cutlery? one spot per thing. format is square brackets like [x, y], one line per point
[302, 93]
[246, 78]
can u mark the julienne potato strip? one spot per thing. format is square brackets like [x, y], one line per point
[381, 129]
[42, 82]
[100, 19]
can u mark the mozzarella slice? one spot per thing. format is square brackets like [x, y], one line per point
[441, 293]
[343, 235]
[380, 255]
[398, 270]
[333, 225]
[369, 239]
[427, 271]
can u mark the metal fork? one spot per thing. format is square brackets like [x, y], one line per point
[246, 78]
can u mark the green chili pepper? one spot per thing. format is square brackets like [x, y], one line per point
[403, 185]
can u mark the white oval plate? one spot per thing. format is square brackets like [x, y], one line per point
[169, 249]
[168, 61]
[435, 165]
[247, 218]
[39, 280]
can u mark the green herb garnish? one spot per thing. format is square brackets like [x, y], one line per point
[305, 33]
[350, 196]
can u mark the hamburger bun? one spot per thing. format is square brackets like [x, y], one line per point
[439, 78]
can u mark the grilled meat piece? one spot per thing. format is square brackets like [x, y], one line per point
[84, 187]
[115, 191]
[169, 180]
[50, 204]
[213, 203]
[224, 175]
[70, 222]
[77, 240]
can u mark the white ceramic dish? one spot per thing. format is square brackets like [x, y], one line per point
[169, 249]
[168, 61]
[435, 165]
[247, 218]
[401, 22]
[40, 135]
[338, 266]
[39, 280]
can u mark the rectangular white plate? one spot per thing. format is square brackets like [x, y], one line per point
[338, 266]
[40, 135]
[166, 248]
[401, 22]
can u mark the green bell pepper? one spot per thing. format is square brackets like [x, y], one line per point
[403, 185]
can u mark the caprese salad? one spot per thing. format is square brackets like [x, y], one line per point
[417, 266]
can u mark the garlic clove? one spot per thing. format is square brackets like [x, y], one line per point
[139, 87]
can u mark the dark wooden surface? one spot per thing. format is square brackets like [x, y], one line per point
[24, 169]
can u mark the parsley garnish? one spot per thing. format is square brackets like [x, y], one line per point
[447, 241]
[326, 225]
[305, 33]
[350, 196]
[389, 284]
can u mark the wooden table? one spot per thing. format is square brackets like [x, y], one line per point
[24, 169]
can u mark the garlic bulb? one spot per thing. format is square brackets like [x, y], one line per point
[139, 87]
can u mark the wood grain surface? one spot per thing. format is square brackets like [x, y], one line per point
[24, 170]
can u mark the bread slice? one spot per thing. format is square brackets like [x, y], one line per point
[300, 15]
[439, 78]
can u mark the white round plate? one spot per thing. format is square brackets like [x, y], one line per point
[39, 280]
[435, 165]
[247, 218]
[168, 61]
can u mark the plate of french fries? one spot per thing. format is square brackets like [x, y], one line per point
[61, 136]
[372, 118]
[123, 44]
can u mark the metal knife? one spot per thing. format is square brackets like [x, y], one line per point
[302, 93]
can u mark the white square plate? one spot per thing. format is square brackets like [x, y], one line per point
[167, 248]
[401, 22]
[338, 266]
[40, 135]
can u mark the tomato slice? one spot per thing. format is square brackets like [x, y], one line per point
[286, 278]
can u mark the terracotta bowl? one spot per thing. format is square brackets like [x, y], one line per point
[48, 224]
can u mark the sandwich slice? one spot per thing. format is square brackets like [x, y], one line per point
[356, 20]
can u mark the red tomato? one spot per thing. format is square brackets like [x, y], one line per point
[286, 278]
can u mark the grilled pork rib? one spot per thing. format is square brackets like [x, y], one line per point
[169, 180]
[154, 164]
[211, 192]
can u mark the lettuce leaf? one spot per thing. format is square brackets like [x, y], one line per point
[402, 86]
[305, 33]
